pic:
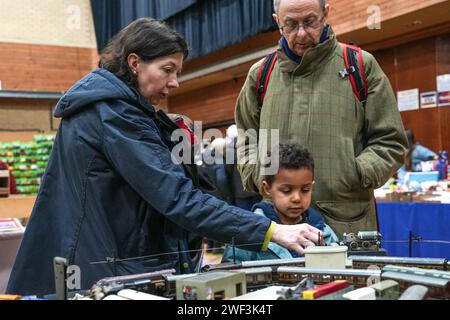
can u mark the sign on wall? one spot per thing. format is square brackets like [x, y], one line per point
[443, 86]
[428, 100]
[444, 99]
[408, 100]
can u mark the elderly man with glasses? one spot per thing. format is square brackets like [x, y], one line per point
[356, 146]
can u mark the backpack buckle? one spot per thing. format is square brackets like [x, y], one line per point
[347, 72]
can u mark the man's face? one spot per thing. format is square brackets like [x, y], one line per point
[301, 22]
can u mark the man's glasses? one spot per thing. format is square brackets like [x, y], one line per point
[309, 26]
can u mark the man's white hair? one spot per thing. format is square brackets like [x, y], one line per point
[276, 5]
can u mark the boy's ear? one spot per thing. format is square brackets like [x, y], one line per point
[266, 188]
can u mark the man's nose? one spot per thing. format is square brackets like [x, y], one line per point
[301, 32]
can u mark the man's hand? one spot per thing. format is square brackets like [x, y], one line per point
[297, 237]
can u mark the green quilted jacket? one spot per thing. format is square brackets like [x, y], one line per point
[355, 149]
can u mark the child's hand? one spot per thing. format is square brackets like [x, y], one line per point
[297, 237]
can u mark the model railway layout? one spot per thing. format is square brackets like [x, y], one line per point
[369, 278]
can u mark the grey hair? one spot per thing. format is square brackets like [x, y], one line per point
[276, 5]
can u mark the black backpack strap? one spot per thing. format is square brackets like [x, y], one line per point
[264, 72]
[355, 71]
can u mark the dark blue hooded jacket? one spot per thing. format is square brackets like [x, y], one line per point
[111, 191]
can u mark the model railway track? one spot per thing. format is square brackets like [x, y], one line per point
[359, 262]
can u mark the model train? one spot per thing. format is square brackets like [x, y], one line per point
[363, 240]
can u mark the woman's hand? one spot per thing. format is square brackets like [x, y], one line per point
[297, 237]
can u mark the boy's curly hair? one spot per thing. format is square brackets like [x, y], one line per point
[292, 157]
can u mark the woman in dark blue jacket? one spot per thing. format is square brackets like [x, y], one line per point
[112, 201]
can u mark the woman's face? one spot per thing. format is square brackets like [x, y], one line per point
[157, 78]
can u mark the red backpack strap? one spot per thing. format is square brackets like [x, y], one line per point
[264, 73]
[355, 71]
[189, 133]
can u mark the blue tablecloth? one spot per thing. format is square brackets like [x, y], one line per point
[429, 221]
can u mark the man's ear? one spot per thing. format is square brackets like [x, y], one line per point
[327, 11]
[275, 17]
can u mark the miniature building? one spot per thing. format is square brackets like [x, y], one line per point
[257, 276]
[217, 285]
[4, 183]
[326, 257]
[386, 290]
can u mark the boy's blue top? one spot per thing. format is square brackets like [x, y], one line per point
[275, 251]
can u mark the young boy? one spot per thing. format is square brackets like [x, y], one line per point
[290, 191]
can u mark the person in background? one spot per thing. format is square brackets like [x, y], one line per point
[241, 198]
[216, 170]
[290, 192]
[223, 171]
[416, 154]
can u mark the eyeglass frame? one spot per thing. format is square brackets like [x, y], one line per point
[298, 25]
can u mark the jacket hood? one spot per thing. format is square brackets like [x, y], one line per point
[99, 85]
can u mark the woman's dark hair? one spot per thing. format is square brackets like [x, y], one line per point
[292, 157]
[146, 37]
